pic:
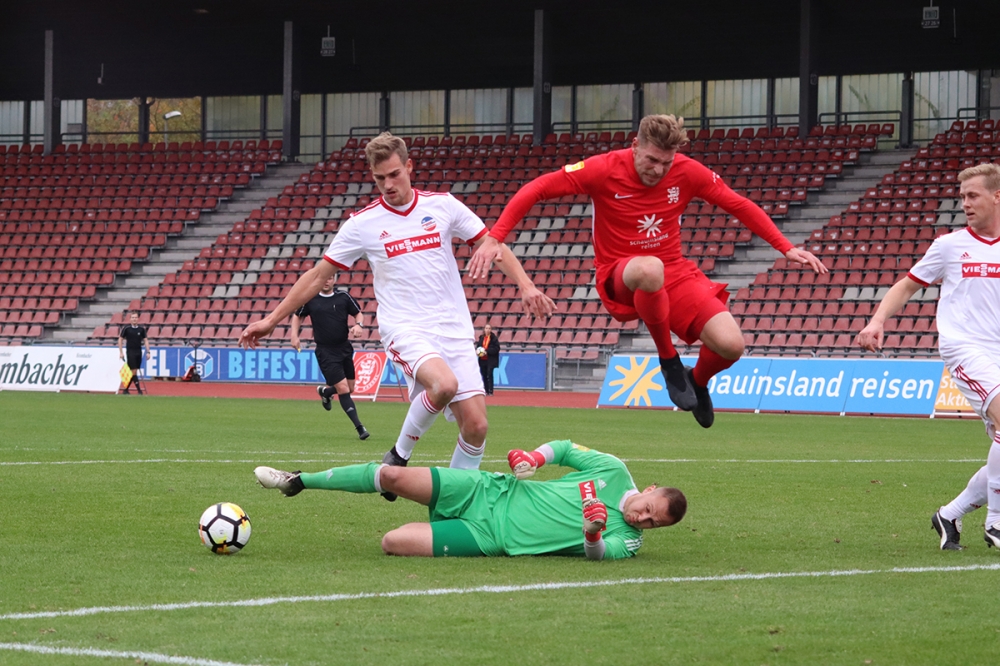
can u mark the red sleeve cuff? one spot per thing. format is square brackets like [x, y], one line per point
[917, 280]
[482, 233]
[339, 266]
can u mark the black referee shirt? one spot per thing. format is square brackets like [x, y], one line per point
[329, 316]
[133, 335]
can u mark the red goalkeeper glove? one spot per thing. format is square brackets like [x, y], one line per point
[524, 463]
[595, 518]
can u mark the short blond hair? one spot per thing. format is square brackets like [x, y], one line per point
[989, 172]
[666, 132]
[383, 147]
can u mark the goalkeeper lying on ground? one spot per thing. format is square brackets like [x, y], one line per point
[596, 511]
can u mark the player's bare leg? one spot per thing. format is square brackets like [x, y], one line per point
[644, 277]
[470, 415]
[440, 386]
[410, 540]
[722, 345]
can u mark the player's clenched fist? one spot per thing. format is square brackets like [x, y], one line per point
[524, 463]
[595, 516]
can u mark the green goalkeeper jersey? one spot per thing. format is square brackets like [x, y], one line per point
[546, 517]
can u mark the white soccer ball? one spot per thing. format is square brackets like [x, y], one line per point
[224, 528]
[480, 352]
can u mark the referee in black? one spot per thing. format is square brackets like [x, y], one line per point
[133, 336]
[329, 310]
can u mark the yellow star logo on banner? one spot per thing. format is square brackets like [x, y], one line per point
[126, 374]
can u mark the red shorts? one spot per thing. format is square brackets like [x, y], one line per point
[694, 299]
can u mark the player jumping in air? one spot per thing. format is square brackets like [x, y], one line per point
[639, 194]
[423, 317]
[967, 262]
[595, 511]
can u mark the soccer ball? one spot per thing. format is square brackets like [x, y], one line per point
[480, 352]
[225, 528]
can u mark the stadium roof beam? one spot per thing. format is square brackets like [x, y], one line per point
[808, 77]
[291, 125]
[542, 112]
[51, 117]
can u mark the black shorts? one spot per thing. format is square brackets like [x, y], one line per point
[336, 363]
[134, 359]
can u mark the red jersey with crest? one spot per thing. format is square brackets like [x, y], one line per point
[630, 218]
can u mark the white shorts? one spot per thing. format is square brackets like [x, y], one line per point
[411, 349]
[977, 376]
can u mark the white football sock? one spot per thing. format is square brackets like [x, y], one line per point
[419, 418]
[970, 499]
[993, 483]
[467, 456]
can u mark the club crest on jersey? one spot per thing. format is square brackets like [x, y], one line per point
[981, 270]
[650, 225]
[673, 195]
[428, 224]
[415, 244]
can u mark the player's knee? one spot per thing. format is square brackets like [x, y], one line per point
[390, 476]
[647, 273]
[474, 429]
[443, 390]
[391, 543]
[732, 348]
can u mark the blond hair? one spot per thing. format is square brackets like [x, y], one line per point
[989, 172]
[383, 147]
[666, 132]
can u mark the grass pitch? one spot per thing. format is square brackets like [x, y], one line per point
[100, 498]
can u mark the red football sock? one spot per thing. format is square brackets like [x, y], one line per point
[709, 365]
[654, 310]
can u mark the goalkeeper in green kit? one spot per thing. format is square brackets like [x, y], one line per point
[595, 511]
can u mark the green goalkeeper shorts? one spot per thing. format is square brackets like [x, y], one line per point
[466, 497]
[453, 538]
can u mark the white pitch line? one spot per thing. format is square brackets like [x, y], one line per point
[492, 589]
[325, 461]
[93, 652]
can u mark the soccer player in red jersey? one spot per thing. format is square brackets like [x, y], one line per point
[639, 194]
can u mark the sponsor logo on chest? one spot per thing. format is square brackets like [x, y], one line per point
[981, 270]
[414, 244]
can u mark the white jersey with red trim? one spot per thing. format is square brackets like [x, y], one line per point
[416, 278]
[968, 312]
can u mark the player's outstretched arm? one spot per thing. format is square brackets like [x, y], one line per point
[524, 463]
[307, 286]
[595, 518]
[293, 337]
[870, 337]
[488, 252]
[806, 258]
[532, 298]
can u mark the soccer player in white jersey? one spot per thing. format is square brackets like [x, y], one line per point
[968, 321]
[423, 316]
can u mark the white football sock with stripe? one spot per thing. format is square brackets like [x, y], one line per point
[970, 499]
[467, 456]
[993, 483]
[419, 418]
